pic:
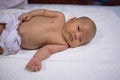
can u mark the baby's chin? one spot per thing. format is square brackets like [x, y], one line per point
[73, 45]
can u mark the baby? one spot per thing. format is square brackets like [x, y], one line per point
[46, 31]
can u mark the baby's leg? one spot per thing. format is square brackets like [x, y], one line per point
[2, 26]
[1, 51]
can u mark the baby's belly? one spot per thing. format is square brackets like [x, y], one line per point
[28, 42]
[29, 46]
[30, 38]
[34, 32]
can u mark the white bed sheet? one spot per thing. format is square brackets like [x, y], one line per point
[98, 60]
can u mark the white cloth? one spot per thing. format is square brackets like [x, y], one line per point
[10, 40]
[68, 14]
[6, 4]
[98, 60]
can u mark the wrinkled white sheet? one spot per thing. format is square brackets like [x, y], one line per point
[6, 4]
[98, 60]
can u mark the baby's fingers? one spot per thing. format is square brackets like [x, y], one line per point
[27, 18]
[33, 67]
[37, 68]
[23, 16]
[30, 66]
[21, 19]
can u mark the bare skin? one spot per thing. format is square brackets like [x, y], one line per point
[43, 33]
[48, 32]
[2, 26]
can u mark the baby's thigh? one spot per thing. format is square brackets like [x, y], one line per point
[2, 27]
[1, 51]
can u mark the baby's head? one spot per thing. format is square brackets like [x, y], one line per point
[78, 31]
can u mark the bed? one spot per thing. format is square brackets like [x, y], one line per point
[98, 60]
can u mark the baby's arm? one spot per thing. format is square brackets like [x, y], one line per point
[43, 53]
[43, 12]
[40, 12]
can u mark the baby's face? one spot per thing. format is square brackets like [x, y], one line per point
[77, 32]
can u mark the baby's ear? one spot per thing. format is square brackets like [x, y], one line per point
[72, 19]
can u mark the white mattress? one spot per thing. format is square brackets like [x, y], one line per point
[98, 60]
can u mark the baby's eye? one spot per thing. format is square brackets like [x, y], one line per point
[78, 28]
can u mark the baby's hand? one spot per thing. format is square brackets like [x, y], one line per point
[34, 65]
[25, 17]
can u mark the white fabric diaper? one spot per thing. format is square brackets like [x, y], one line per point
[9, 39]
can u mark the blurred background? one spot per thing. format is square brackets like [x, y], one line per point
[6, 4]
[81, 2]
